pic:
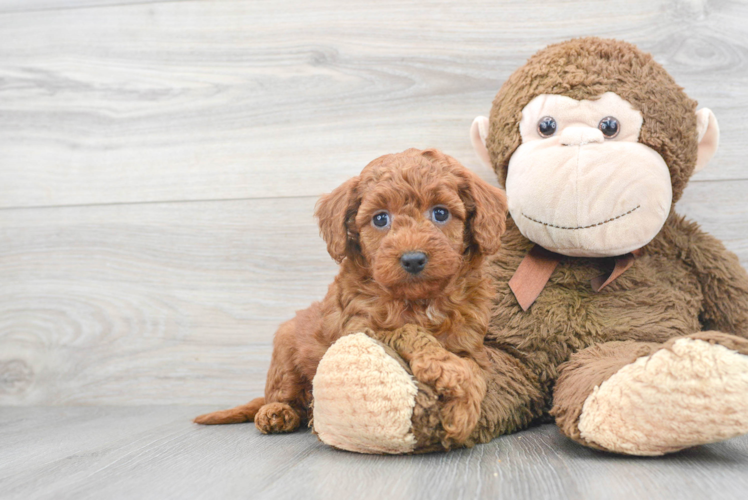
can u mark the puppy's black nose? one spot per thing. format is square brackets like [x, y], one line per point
[413, 262]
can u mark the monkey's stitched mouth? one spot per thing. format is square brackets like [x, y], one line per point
[581, 227]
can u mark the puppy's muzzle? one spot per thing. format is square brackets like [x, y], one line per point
[413, 262]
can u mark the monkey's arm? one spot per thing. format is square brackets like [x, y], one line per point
[724, 282]
[513, 395]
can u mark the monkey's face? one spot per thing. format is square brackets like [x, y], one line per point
[581, 184]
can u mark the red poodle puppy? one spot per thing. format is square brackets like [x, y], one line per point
[411, 233]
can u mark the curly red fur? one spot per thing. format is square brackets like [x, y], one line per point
[436, 320]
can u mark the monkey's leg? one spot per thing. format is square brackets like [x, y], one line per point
[366, 400]
[643, 398]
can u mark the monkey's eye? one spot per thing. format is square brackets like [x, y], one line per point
[547, 126]
[440, 214]
[609, 127]
[381, 220]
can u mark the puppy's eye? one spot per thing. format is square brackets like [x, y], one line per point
[440, 214]
[547, 126]
[609, 126]
[381, 220]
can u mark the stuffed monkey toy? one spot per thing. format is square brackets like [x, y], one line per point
[613, 314]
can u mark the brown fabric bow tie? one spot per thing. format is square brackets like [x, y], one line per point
[537, 266]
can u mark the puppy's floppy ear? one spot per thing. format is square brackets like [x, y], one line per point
[335, 212]
[487, 207]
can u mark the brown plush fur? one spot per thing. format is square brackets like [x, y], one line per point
[684, 283]
[436, 320]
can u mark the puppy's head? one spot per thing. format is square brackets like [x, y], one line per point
[413, 221]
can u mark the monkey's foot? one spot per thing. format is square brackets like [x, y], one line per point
[364, 398]
[692, 391]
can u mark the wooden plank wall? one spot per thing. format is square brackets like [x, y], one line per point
[160, 160]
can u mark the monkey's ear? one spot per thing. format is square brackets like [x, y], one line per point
[487, 207]
[334, 212]
[708, 130]
[478, 134]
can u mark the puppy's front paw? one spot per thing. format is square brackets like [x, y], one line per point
[458, 385]
[404, 340]
[459, 418]
[274, 418]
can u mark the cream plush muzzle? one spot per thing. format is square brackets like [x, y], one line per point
[594, 204]
[600, 197]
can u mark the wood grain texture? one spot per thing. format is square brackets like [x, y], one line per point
[7, 6]
[178, 302]
[222, 99]
[156, 452]
[170, 303]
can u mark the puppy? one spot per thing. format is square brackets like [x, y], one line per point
[411, 233]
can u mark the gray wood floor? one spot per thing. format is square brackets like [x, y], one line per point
[159, 164]
[156, 452]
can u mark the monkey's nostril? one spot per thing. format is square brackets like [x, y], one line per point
[413, 262]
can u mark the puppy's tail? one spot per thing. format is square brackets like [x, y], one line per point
[243, 413]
